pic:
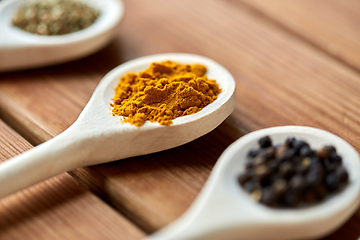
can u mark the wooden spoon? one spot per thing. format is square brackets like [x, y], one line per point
[98, 137]
[223, 210]
[21, 50]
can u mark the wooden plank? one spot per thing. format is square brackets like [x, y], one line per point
[57, 208]
[280, 81]
[331, 25]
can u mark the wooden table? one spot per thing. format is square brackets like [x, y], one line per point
[295, 63]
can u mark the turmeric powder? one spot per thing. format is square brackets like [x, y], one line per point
[163, 92]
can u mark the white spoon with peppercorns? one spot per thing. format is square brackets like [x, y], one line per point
[225, 209]
[20, 49]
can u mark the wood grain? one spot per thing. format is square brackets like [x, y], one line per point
[57, 208]
[331, 25]
[281, 80]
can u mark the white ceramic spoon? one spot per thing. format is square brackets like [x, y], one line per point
[98, 137]
[223, 210]
[22, 50]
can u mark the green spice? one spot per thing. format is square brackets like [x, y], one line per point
[54, 17]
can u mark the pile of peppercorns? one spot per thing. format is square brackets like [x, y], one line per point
[292, 173]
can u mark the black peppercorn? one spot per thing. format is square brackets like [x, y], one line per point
[243, 178]
[335, 158]
[250, 186]
[252, 153]
[279, 187]
[298, 144]
[305, 151]
[280, 152]
[332, 181]
[267, 197]
[286, 170]
[290, 198]
[325, 152]
[312, 179]
[262, 171]
[297, 182]
[292, 173]
[342, 174]
[289, 142]
[265, 142]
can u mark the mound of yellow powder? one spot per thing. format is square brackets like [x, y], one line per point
[163, 92]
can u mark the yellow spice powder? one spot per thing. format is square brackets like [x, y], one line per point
[163, 92]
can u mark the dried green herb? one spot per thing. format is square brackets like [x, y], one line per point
[54, 17]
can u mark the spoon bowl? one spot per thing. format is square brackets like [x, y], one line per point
[98, 137]
[22, 50]
[223, 210]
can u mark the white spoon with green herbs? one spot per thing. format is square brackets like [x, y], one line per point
[224, 211]
[98, 137]
[22, 50]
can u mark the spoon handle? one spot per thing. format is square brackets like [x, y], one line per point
[53, 157]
